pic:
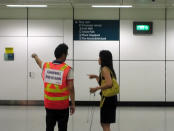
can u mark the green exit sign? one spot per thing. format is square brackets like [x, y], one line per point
[142, 27]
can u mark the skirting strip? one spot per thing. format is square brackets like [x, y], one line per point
[86, 103]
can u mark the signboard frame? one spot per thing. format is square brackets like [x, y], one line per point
[96, 30]
[136, 32]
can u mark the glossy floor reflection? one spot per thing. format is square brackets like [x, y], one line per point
[20, 118]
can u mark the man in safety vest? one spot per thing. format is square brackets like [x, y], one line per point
[58, 86]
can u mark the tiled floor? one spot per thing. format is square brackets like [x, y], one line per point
[19, 118]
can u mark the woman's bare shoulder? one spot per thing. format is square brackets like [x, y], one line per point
[105, 69]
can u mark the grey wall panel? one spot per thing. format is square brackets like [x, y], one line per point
[12, 27]
[170, 39]
[142, 81]
[142, 14]
[45, 28]
[96, 13]
[170, 15]
[170, 34]
[170, 81]
[50, 13]
[13, 13]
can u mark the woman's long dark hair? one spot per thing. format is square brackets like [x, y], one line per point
[106, 60]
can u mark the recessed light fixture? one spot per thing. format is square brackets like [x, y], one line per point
[112, 6]
[30, 6]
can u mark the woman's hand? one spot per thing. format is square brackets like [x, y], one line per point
[91, 76]
[93, 90]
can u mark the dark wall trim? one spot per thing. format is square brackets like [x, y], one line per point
[41, 103]
[88, 103]
[129, 104]
[146, 104]
[21, 103]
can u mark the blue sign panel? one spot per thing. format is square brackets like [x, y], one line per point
[9, 56]
[96, 30]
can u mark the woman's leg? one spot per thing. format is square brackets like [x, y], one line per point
[106, 127]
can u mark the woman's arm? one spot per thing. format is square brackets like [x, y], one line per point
[91, 76]
[108, 80]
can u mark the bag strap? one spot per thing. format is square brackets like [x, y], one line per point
[102, 101]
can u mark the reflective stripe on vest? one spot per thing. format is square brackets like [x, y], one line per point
[57, 90]
[56, 98]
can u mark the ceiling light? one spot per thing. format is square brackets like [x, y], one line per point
[112, 6]
[23, 6]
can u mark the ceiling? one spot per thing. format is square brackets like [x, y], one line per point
[87, 3]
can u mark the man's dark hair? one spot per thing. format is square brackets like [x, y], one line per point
[60, 50]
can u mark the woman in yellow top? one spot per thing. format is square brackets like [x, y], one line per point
[108, 108]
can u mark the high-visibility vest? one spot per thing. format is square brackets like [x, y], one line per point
[56, 96]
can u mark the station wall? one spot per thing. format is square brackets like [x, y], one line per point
[143, 63]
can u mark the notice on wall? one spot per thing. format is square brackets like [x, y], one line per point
[96, 30]
[53, 76]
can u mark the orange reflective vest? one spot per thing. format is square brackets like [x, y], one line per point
[56, 94]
